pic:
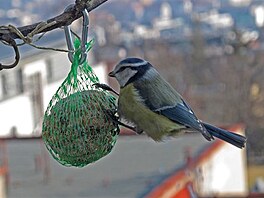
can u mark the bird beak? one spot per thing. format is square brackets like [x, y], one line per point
[111, 74]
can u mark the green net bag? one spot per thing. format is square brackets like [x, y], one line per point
[76, 130]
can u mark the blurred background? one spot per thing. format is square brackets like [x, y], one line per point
[211, 51]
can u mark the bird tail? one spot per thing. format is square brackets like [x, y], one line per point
[230, 137]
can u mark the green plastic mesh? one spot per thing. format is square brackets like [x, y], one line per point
[76, 130]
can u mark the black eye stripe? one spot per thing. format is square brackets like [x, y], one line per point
[141, 70]
[131, 67]
[121, 69]
[135, 68]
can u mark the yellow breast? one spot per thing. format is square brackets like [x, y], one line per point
[132, 108]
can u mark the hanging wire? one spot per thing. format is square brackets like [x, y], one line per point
[69, 40]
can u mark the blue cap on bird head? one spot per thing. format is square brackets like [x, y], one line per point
[133, 61]
[128, 62]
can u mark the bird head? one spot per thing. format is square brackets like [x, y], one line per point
[129, 70]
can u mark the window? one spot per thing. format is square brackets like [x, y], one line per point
[11, 83]
[57, 67]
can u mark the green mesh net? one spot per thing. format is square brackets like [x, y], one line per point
[76, 129]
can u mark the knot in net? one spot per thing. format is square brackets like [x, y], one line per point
[76, 129]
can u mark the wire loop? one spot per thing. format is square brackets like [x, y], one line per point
[69, 39]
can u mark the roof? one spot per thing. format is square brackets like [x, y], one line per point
[28, 12]
[53, 39]
[135, 164]
[180, 180]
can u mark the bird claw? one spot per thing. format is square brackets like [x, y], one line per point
[105, 87]
[115, 119]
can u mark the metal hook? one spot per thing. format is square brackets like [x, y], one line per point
[10, 41]
[69, 40]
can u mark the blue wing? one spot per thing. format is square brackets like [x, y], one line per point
[170, 105]
[182, 114]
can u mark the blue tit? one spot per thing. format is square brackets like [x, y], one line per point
[148, 101]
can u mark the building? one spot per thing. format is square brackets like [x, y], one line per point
[26, 90]
[137, 166]
[218, 170]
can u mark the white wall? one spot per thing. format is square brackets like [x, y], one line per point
[17, 111]
[224, 173]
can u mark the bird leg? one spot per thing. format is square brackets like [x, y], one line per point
[115, 118]
[110, 113]
[105, 87]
